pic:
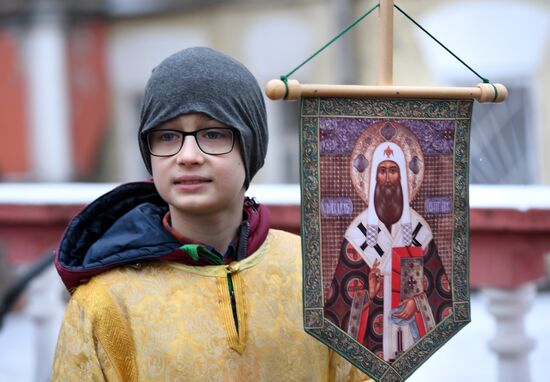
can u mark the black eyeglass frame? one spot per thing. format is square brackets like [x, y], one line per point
[184, 134]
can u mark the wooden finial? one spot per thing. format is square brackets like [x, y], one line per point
[492, 93]
[276, 89]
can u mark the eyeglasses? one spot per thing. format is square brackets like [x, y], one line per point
[212, 141]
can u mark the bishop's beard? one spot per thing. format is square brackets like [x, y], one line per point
[388, 202]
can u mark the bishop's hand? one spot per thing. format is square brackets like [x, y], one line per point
[409, 310]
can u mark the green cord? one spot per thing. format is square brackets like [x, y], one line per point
[285, 81]
[192, 250]
[496, 93]
[198, 251]
[485, 80]
[342, 32]
[284, 78]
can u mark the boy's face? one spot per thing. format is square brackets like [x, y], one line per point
[192, 181]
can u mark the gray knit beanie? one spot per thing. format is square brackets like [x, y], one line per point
[206, 81]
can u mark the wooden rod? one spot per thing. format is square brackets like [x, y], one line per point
[276, 89]
[385, 43]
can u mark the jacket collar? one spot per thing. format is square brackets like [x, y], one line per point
[125, 227]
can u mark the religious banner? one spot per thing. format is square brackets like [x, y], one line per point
[385, 227]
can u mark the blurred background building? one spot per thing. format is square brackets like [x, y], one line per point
[72, 75]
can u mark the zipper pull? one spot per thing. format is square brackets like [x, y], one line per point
[252, 203]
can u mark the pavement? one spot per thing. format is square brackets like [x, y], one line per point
[466, 357]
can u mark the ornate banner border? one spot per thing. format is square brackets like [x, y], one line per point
[312, 109]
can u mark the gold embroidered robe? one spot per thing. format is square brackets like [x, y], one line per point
[170, 322]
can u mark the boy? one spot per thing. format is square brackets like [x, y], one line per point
[182, 279]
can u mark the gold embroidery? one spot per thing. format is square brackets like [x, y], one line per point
[240, 301]
[236, 339]
[174, 317]
[110, 328]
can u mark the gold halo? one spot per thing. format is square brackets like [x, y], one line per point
[369, 140]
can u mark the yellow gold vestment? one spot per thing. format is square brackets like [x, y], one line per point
[163, 321]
